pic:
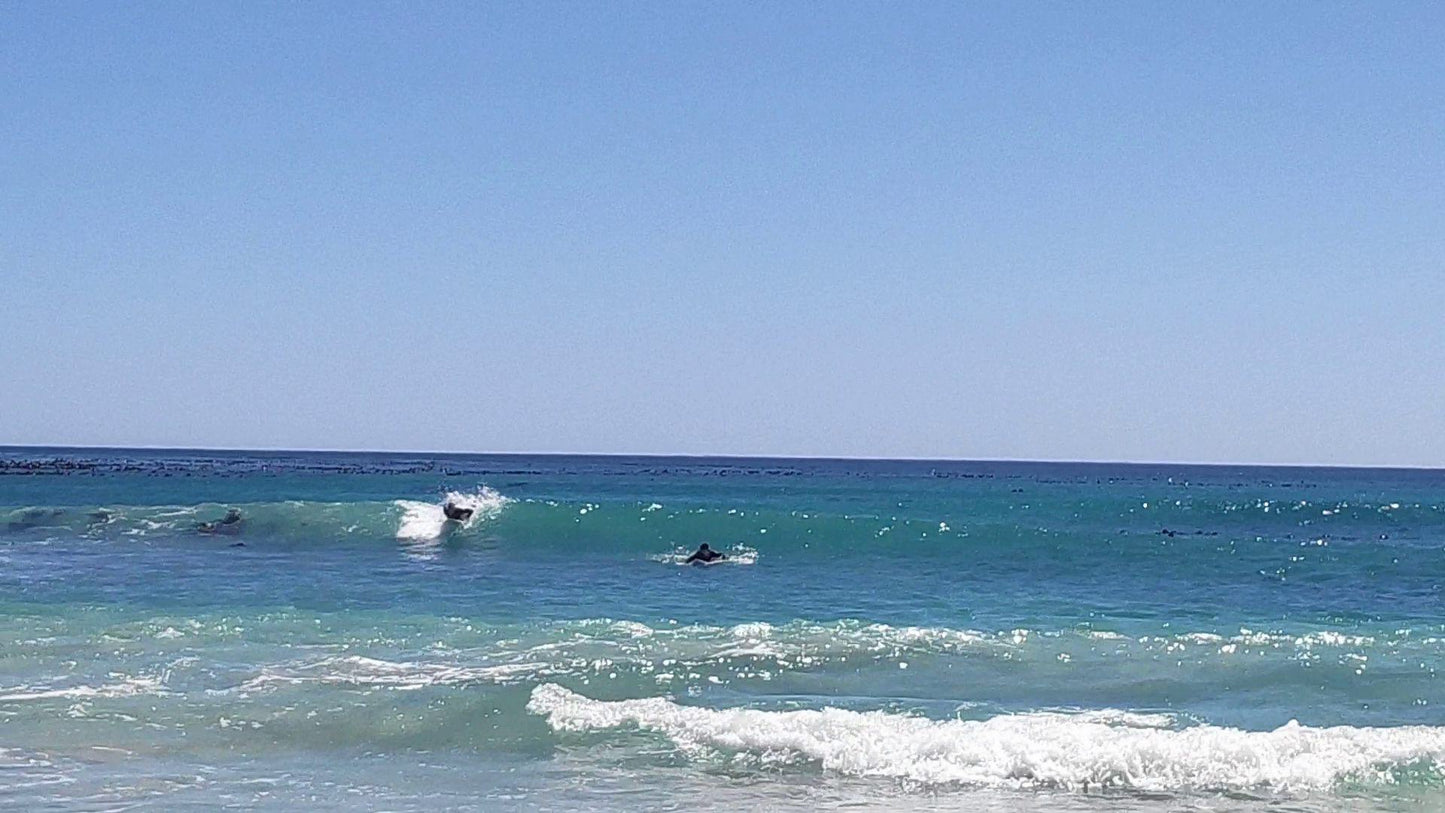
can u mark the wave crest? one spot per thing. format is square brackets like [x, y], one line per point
[425, 520]
[1110, 749]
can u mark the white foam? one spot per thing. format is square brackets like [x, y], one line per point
[633, 629]
[359, 671]
[11, 758]
[607, 648]
[678, 656]
[800, 644]
[425, 520]
[127, 687]
[1042, 750]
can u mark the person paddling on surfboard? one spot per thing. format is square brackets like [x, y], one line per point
[705, 555]
[455, 512]
[230, 523]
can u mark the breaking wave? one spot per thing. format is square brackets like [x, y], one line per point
[667, 533]
[425, 520]
[1103, 750]
[291, 520]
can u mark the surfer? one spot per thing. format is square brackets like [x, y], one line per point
[455, 512]
[705, 554]
[230, 523]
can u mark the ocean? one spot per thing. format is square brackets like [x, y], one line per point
[912, 635]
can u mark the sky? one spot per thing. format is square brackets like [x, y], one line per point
[1209, 232]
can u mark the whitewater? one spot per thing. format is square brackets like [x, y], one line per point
[885, 634]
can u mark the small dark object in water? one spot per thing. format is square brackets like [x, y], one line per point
[705, 555]
[229, 524]
[456, 512]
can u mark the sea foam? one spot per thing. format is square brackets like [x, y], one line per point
[127, 687]
[1109, 749]
[363, 672]
[425, 520]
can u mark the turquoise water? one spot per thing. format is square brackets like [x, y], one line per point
[914, 635]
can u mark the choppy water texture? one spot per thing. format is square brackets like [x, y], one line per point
[905, 635]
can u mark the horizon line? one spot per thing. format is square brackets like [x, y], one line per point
[726, 456]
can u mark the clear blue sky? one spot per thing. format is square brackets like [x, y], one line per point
[1202, 232]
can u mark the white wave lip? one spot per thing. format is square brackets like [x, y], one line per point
[1111, 749]
[425, 520]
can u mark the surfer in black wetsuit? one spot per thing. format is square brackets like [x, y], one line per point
[230, 523]
[705, 555]
[455, 512]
